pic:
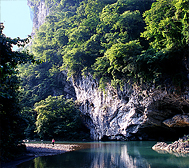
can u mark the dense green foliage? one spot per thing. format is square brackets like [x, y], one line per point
[12, 124]
[117, 41]
[167, 24]
[59, 118]
[167, 30]
[121, 62]
[87, 33]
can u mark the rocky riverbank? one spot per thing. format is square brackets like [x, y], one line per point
[40, 149]
[49, 149]
[178, 148]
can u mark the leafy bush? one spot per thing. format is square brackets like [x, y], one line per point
[59, 118]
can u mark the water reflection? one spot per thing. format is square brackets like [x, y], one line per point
[117, 155]
[111, 155]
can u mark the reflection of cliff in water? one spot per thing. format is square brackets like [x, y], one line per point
[117, 155]
[131, 154]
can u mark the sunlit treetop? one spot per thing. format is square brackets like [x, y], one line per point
[167, 24]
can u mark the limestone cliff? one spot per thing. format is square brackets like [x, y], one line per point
[131, 114]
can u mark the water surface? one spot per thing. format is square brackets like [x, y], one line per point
[132, 154]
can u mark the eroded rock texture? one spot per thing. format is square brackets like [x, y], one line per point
[130, 114]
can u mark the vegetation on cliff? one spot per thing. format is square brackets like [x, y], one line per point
[76, 37]
[116, 41]
[100, 36]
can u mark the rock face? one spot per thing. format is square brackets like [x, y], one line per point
[64, 87]
[40, 11]
[131, 114]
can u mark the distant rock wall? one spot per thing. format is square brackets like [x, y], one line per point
[40, 12]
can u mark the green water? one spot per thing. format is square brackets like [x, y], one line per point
[133, 154]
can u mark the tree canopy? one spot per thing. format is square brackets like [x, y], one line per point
[59, 118]
[167, 31]
[167, 24]
[82, 33]
[12, 124]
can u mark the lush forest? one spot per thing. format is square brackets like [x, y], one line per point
[116, 41]
[12, 122]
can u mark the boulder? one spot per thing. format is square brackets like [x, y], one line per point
[178, 148]
[178, 121]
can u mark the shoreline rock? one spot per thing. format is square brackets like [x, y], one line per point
[178, 148]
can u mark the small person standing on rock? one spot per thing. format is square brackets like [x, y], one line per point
[53, 141]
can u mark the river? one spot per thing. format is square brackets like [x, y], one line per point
[130, 154]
